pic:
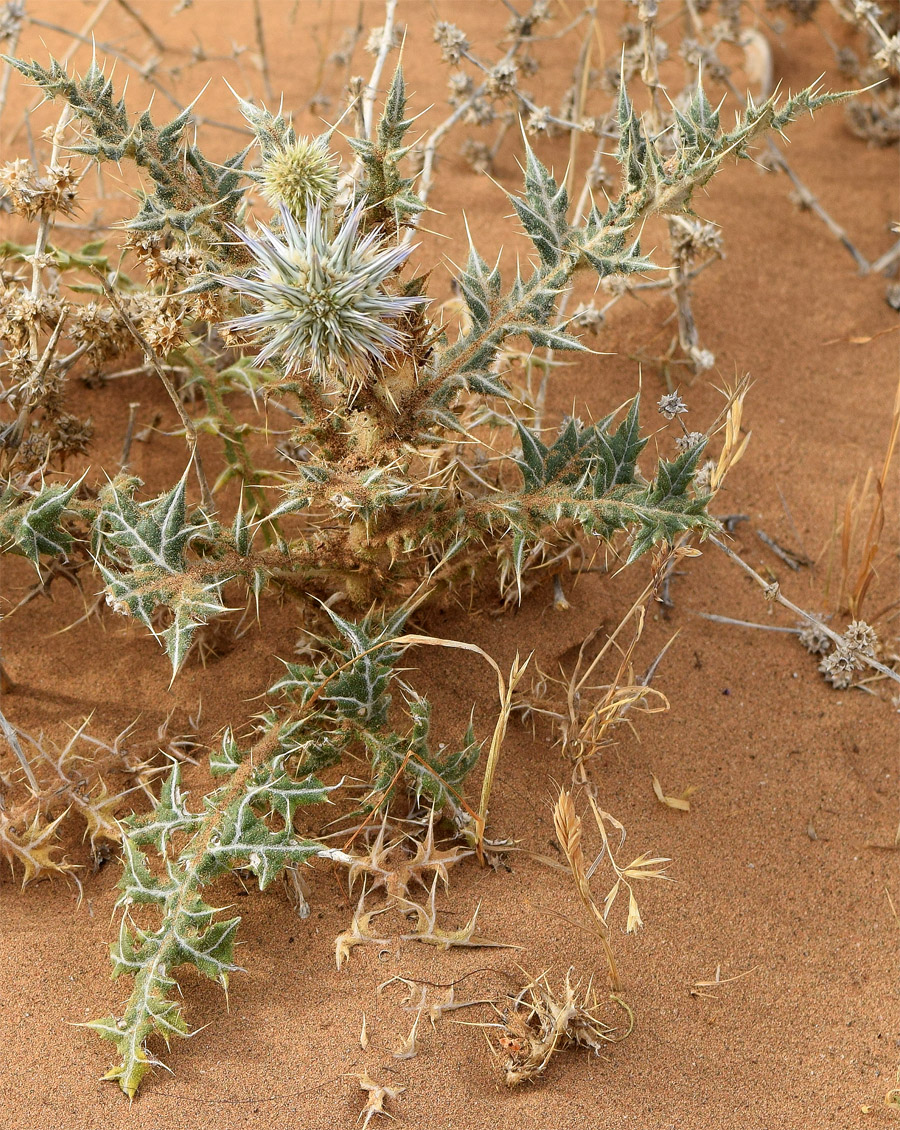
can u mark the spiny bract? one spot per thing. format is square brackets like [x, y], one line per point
[323, 307]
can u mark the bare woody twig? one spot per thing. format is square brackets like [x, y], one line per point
[261, 46]
[371, 90]
[773, 592]
[143, 25]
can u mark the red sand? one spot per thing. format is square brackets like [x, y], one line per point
[810, 1037]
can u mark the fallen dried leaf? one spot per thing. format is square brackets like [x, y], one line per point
[681, 803]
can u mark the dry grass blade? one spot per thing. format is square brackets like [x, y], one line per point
[698, 988]
[506, 699]
[644, 866]
[681, 803]
[568, 827]
[872, 496]
[505, 692]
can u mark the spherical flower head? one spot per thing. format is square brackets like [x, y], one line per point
[301, 172]
[323, 307]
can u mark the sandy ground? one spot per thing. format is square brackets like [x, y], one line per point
[775, 875]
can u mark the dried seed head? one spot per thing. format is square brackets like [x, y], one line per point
[538, 121]
[616, 285]
[838, 667]
[164, 331]
[521, 27]
[671, 405]
[694, 237]
[689, 440]
[375, 42]
[480, 112]
[501, 78]
[813, 638]
[11, 19]
[703, 359]
[452, 41]
[461, 86]
[588, 317]
[301, 172]
[477, 155]
[889, 55]
[323, 306]
[865, 9]
[860, 638]
[703, 478]
[30, 194]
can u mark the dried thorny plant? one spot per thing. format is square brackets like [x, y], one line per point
[873, 61]
[541, 1021]
[407, 466]
[52, 787]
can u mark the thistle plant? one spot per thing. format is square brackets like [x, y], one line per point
[412, 463]
[318, 715]
[381, 389]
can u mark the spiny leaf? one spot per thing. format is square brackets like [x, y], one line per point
[35, 527]
[543, 210]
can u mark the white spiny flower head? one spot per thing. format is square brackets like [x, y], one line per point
[323, 308]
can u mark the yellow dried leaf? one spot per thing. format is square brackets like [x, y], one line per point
[634, 915]
[681, 803]
[610, 899]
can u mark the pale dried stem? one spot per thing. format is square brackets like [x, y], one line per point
[143, 25]
[7, 71]
[808, 200]
[371, 91]
[261, 46]
[773, 592]
[12, 738]
[887, 259]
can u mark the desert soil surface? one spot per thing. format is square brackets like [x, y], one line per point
[777, 885]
